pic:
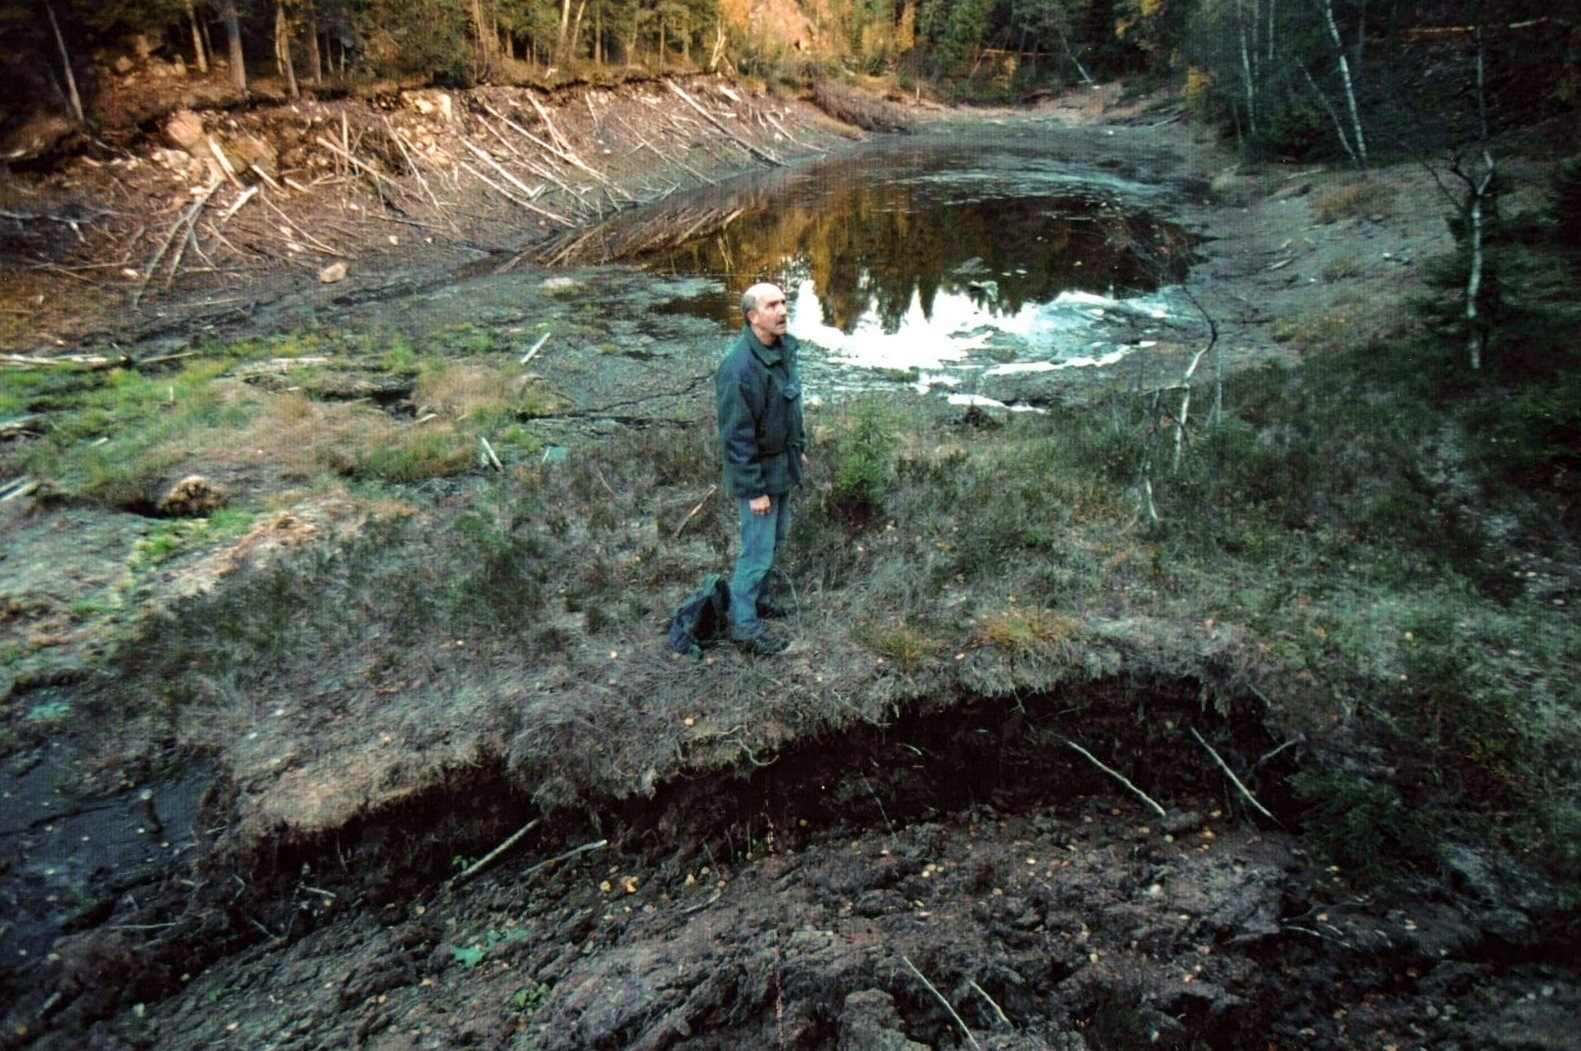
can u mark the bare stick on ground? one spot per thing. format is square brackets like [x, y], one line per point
[488, 452]
[737, 139]
[494, 855]
[497, 188]
[536, 347]
[1143, 796]
[1247, 792]
[181, 229]
[998, 1011]
[693, 512]
[585, 848]
[940, 997]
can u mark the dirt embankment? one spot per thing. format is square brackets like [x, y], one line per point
[209, 217]
[753, 871]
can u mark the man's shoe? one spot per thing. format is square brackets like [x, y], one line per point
[772, 610]
[763, 645]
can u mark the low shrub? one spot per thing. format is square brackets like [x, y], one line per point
[1355, 199]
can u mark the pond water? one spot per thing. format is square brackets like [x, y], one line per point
[943, 260]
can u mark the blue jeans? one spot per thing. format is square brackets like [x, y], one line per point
[761, 538]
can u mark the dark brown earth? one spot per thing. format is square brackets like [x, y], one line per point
[934, 872]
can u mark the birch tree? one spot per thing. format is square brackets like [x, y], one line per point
[1360, 139]
[1479, 175]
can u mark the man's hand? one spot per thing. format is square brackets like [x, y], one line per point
[760, 504]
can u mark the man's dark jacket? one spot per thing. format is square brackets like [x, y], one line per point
[757, 399]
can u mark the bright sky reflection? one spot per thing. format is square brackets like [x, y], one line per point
[1076, 329]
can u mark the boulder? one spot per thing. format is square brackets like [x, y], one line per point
[184, 131]
[192, 497]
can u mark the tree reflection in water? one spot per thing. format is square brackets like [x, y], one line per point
[880, 233]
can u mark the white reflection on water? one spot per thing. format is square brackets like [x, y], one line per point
[1074, 330]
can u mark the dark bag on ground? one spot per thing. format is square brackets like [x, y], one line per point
[703, 617]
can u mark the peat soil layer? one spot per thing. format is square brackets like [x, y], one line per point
[810, 853]
[837, 895]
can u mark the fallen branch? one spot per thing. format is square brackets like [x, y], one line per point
[266, 177]
[326, 249]
[693, 512]
[979, 990]
[536, 347]
[1143, 796]
[191, 237]
[490, 457]
[497, 188]
[739, 141]
[567, 856]
[1233, 779]
[400, 144]
[223, 161]
[378, 177]
[15, 483]
[565, 154]
[92, 361]
[483, 156]
[792, 139]
[554, 133]
[183, 223]
[940, 997]
[236, 205]
[28, 485]
[492, 856]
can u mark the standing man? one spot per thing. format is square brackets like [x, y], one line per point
[757, 397]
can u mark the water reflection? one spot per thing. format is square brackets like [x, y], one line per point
[917, 259]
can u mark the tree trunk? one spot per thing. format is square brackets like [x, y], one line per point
[565, 28]
[1333, 115]
[315, 60]
[1350, 87]
[282, 48]
[200, 54]
[1476, 337]
[65, 60]
[573, 42]
[1246, 80]
[1479, 197]
[485, 35]
[233, 30]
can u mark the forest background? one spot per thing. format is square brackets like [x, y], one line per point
[1292, 78]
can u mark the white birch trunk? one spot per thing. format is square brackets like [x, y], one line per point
[1350, 87]
[1246, 77]
[1333, 115]
[1474, 337]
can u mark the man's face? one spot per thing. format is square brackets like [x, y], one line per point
[768, 317]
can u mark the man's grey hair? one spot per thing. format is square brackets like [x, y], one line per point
[749, 298]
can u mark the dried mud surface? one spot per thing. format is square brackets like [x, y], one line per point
[947, 877]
